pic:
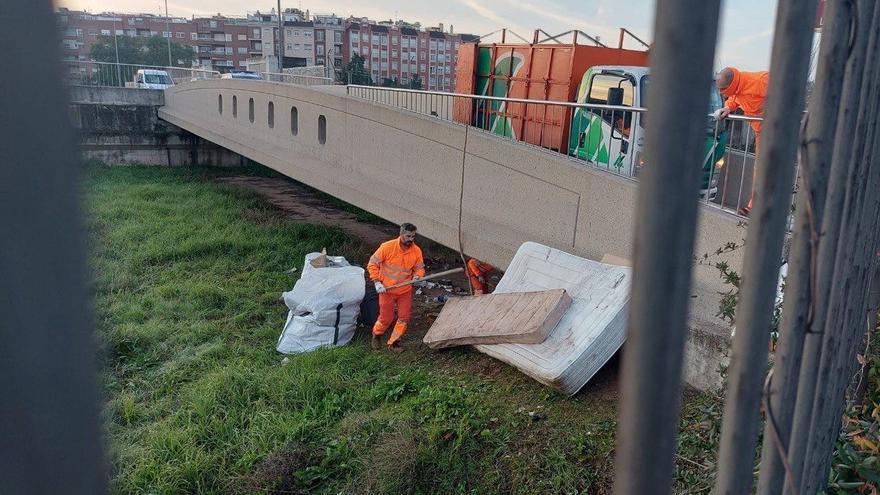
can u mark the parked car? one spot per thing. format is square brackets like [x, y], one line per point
[152, 79]
[241, 74]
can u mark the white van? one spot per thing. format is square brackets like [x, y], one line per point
[152, 79]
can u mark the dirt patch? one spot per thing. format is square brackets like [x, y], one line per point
[276, 474]
[301, 204]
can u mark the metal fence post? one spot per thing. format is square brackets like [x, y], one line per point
[664, 243]
[849, 290]
[763, 248]
[50, 437]
[843, 170]
[815, 169]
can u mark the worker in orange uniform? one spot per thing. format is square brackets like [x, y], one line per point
[396, 261]
[478, 271]
[746, 90]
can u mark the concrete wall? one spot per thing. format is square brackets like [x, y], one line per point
[407, 167]
[121, 126]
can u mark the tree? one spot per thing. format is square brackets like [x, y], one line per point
[415, 82]
[354, 72]
[141, 51]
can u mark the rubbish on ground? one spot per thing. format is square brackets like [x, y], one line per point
[436, 299]
[324, 305]
[369, 308]
[536, 416]
[320, 261]
[292, 270]
[323, 261]
[518, 317]
[426, 277]
[588, 334]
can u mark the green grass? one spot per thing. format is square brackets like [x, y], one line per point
[187, 275]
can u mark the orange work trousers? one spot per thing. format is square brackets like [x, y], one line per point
[387, 303]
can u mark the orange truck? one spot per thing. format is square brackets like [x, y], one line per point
[610, 79]
[549, 71]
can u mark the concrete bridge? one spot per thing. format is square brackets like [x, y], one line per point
[460, 185]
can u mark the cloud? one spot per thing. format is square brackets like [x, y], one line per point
[484, 12]
[745, 40]
[550, 11]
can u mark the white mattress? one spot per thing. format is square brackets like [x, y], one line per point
[590, 332]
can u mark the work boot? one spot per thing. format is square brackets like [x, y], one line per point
[376, 343]
[395, 348]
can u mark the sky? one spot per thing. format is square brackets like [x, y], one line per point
[745, 33]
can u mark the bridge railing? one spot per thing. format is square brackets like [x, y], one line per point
[90, 73]
[608, 137]
[300, 79]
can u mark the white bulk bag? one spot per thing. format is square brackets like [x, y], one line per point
[324, 305]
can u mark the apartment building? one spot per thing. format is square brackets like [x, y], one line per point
[329, 36]
[299, 43]
[80, 30]
[219, 42]
[399, 51]
[395, 51]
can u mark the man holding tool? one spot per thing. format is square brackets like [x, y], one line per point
[396, 262]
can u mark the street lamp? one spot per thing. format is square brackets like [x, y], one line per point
[168, 30]
[116, 48]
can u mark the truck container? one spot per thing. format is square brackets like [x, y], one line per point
[609, 80]
[548, 71]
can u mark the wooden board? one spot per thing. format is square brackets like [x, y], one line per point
[519, 317]
[610, 259]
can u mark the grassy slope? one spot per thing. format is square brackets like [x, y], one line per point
[187, 277]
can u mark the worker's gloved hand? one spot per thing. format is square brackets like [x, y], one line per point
[721, 113]
[417, 281]
[380, 289]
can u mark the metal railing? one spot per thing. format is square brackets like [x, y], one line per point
[90, 73]
[300, 79]
[608, 137]
[309, 70]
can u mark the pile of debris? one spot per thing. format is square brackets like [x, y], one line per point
[555, 316]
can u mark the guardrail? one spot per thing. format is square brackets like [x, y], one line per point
[90, 73]
[300, 79]
[609, 137]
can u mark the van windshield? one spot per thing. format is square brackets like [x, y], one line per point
[157, 79]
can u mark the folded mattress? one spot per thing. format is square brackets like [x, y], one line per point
[589, 333]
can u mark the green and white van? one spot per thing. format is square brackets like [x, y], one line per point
[615, 139]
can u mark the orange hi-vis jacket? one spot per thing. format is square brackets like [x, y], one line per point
[748, 90]
[392, 264]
